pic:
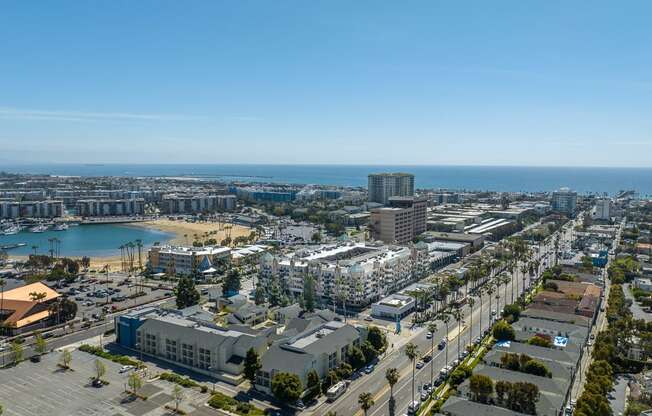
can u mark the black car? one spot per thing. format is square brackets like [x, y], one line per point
[441, 345]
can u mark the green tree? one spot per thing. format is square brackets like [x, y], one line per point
[100, 369]
[502, 388]
[259, 295]
[186, 293]
[536, 368]
[309, 293]
[314, 386]
[66, 358]
[539, 341]
[512, 310]
[377, 339]
[369, 352]
[286, 387]
[134, 382]
[365, 400]
[503, 331]
[392, 375]
[481, 386]
[17, 350]
[232, 282]
[251, 366]
[177, 394]
[40, 346]
[412, 353]
[356, 358]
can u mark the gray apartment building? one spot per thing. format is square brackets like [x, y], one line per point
[383, 186]
[564, 201]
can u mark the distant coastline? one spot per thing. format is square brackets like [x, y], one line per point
[496, 178]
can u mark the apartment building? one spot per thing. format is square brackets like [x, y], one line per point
[192, 204]
[564, 201]
[31, 209]
[321, 347]
[602, 210]
[401, 222]
[356, 272]
[382, 186]
[176, 260]
[110, 207]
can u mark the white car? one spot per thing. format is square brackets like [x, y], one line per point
[419, 364]
[429, 335]
[126, 368]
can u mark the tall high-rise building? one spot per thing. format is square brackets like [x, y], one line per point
[564, 201]
[602, 210]
[401, 222]
[382, 186]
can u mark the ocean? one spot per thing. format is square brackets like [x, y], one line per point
[496, 178]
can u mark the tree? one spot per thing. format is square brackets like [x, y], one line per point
[512, 310]
[369, 352]
[356, 358]
[377, 339]
[40, 346]
[66, 358]
[134, 382]
[251, 365]
[37, 296]
[503, 331]
[177, 394]
[366, 400]
[502, 387]
[309, 293]
[316, 237]
[286, 387]
[331, 378]
[17, 349]
[232, 282]
[536, 368]
[481, 386]
[100, 369]
[392, 375]
[186, 293]
[259, 295]
[412, 352]
[539, 341]
[313, 387]
[344, 371]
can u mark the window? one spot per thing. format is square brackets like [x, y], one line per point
[150, 343]
[171, 349]
[204, 358]
[187, 354]
[263, 378]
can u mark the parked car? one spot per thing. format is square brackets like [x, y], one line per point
[369, 369]
[420, 364]
[126, 368]
[441, 345]
[429, 335]
[424, 396]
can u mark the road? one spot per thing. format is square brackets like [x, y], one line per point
[376, 382]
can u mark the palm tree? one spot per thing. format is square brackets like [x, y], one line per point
[3, 283]
[366, 400]
[458, 315]
[471, 303]
[490, 292]
[392, 375]
[432, 327]
[34, 248]
[139, 244]
[446, 318]
[481, 292]
[412, 352]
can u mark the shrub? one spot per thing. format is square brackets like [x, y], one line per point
[503, 331]
[182, 381]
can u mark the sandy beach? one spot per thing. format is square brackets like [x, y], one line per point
[184, 234]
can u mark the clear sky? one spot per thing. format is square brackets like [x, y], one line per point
[310, 81]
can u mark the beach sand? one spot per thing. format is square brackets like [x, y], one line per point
[184, 234]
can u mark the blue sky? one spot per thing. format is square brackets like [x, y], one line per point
[371, 82]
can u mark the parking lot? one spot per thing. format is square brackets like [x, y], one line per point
[96, 294]
[36, 389]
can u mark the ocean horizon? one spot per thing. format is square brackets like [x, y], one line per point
[600, 180]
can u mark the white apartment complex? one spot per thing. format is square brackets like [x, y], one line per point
[358, 273]
[191, 204]
[382, 186]
[186, 260]
[110, 207]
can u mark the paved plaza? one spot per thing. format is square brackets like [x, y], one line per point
[37, 389]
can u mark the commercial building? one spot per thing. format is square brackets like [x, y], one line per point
[382, 186]
[393, 307]
[193, 204]
[564, 201]
[266, 194]
[475, 240]
[175, 260]
[31, 209]
[320, 346]
[110, 207]
[188, 338]
[21, 313]
[401, 222]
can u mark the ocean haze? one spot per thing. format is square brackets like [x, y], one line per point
[496, 178]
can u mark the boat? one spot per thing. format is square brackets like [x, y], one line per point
[39, 229]
[60, 227]
[10, 246]
[14, 229]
